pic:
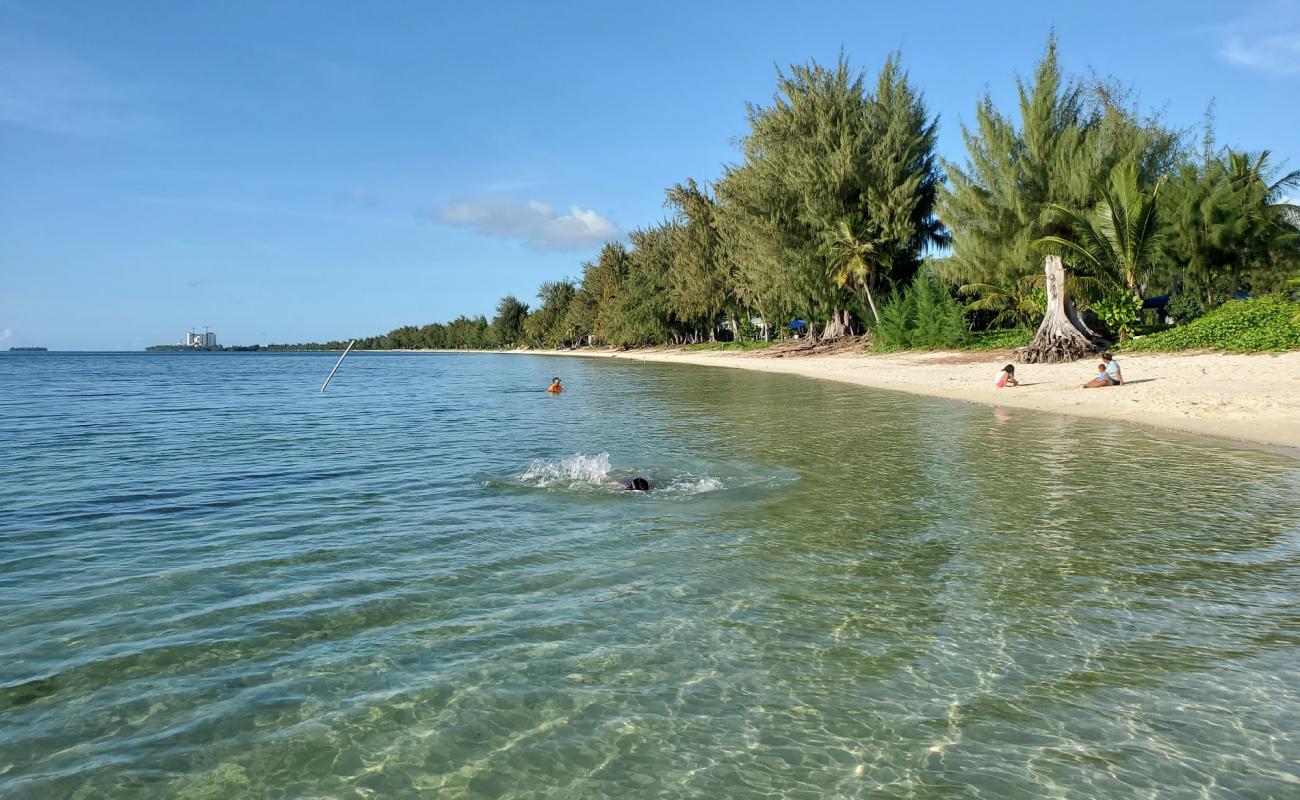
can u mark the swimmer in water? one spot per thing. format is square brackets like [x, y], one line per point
[631, 485]
[555, 387]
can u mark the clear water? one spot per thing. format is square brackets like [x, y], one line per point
[218, 582]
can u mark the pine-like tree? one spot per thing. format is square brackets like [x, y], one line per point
[826, 154]
[638, 313]
[507, 328]
[700, 280]
[1004, 199]
[546, 327]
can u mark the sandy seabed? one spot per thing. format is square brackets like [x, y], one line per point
[1253, 398]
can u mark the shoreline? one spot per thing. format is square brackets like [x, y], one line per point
[1251, 398]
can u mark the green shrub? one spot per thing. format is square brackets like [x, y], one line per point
[1185, 307]
[1120, 313]
[924, 317]
[1241, 326]
[940, 319]
[897, 318]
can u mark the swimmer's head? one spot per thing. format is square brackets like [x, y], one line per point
[637, 485]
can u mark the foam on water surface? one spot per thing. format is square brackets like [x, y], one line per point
[577, 470]
[581, 472]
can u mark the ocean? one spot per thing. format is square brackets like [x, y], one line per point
[219, 582]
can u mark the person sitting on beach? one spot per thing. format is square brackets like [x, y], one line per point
[555, 387]
[1007, 377]
[1108, 373]
[1112, 369]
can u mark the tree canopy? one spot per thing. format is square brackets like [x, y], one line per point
[838, 196]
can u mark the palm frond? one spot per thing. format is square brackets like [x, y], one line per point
[1278, 189]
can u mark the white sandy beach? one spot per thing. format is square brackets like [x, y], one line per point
[1253, 398]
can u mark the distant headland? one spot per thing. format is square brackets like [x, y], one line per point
[244, 348]
[29, 350]
[206, 342]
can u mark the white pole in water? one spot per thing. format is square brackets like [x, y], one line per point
[336, 365]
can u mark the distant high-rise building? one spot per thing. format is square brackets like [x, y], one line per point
[205, 339]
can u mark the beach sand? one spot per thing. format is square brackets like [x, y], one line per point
[1253, 398]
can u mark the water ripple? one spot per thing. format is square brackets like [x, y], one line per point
[222, 583]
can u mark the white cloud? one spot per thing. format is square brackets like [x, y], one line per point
[52, 91]
[1276, 52]
[536, 224]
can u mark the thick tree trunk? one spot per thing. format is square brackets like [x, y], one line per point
[1058, 338]
[838, 326]
[1076, 319]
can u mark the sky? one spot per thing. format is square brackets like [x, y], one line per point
[306, 171]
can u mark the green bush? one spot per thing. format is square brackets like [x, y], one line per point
[897, 318]
[924, 317]
[1185, 307]
[1120, 313]
[1240, 326]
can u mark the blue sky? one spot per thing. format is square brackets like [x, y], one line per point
[294, 171]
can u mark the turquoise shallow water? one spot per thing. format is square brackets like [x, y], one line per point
[218, 582]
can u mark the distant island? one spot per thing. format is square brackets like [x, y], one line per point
[29, 350]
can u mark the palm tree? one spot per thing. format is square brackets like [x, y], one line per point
[1020, 303]
[1247, 173]
[1118, 239]
[849, 247]
[1274, 220]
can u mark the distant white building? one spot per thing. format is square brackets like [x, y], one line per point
[205, 339]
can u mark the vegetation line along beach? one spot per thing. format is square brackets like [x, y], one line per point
[1077, 223]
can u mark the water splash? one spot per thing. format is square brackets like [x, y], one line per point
[577, 470]
[581, 472]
